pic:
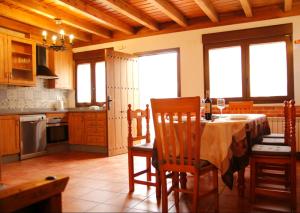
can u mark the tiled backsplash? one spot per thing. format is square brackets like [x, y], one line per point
[16, 97]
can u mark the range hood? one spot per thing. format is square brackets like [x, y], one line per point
[42, 71]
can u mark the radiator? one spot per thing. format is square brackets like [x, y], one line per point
[277, 126]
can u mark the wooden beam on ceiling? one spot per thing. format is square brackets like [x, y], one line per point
[246, 7]
[288, 5]
[128, 10]
[170, 11]
[52, 13]
[40, 22]
[28, 30]
[95, 14]
[207, 7]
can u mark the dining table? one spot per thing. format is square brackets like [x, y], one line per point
[226, 142]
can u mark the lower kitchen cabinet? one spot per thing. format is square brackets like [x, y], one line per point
[87, 128]
[9, 135]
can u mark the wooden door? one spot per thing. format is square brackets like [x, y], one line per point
[3, 59]
[9, 135]
[122, 89]
[61, 63]
[76, 128]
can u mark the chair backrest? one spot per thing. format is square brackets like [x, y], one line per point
[177, 131]
[137, 119]
[290, 124]
[240, 107]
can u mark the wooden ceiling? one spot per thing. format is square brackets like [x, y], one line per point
[99, 21]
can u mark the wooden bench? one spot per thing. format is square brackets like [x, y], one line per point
[37, 196]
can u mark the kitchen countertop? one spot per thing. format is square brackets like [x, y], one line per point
[43, 111]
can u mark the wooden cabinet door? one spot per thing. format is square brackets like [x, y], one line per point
[61, 63]
[122, 88]
[21, 61]
[3, 59]
[95, 129]
[9, 135]
[76, 128]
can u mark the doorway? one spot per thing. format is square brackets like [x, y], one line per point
[159, 77]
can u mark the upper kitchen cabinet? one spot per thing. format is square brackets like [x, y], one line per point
[3, 56]
[21, 61]
[17, 61]
[61, 63]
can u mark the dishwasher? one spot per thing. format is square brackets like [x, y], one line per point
[33, 135]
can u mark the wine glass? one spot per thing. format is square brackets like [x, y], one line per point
[221, 104]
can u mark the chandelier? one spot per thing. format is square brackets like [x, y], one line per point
[58, 41]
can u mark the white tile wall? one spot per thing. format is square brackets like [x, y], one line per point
[15, 97]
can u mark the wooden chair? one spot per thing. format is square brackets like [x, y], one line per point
[177, 132]
[275, 138]
[137, 148]
[36, 196]
[276, 158]
[240, 107]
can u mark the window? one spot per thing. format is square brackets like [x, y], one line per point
[90, 79]
[254, 64]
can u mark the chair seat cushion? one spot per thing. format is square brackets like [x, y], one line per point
[271, 150]
[273, 141]
[274, 135]
[143, 147]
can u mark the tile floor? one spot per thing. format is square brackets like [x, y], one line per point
[100, 184]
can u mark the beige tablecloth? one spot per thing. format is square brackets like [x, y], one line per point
[225, 137]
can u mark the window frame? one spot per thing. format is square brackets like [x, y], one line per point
[245, 38]
[91, 57]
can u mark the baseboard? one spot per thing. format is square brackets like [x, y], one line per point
[10, 158]
[88, 148]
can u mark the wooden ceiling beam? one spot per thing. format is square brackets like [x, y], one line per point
[52, 13]
[262, 13]
[95, 14]
[288, 5]
[246, 7]
[39, 21]
[170, 11]
[128, 10]
[207, 7]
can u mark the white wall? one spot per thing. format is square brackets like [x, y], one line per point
[191, 51]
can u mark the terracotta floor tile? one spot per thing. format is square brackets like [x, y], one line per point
[100, 184]
[99, 196]
[108, 208]
[77, 205]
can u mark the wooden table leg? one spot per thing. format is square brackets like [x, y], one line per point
[241, 182]
[183, 180]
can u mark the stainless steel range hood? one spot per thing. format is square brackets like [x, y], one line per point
[42, 71]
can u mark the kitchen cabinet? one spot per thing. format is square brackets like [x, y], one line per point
[9, 135]
[61, 63]
[17, 61]
[76, 128]
[87, 128]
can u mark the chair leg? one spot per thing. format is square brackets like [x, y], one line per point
[148, 166]
[158, 184]
[130, 171]
[183, 180]
[175, 180]
[164, 191]
[252, 180]
[196, 192]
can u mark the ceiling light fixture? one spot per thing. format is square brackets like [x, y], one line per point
[55, 45]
